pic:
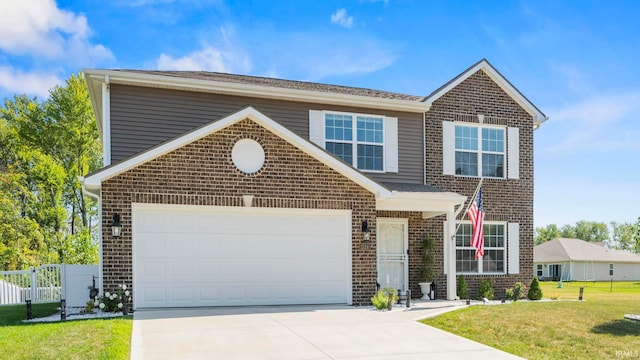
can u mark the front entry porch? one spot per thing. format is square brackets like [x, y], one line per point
[404, 220]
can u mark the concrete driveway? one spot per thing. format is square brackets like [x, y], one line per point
[299, 332]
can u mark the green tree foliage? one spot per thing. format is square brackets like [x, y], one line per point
[44, 147]
[622, 236]
[535, 293]
[592, 231]
[545, 234]
[584, 230]
[626, 236]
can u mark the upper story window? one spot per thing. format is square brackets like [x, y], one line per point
[367, 142]
[480, 151]
[360, 144]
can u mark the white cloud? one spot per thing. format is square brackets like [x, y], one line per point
[315, 57]
[40, 28]
[208, 58]
[600, 123]
[30, 83]
[341, 18]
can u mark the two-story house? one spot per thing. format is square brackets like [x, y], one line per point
[242, 190]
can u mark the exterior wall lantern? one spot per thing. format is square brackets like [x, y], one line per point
[366, 231]
[116, 226]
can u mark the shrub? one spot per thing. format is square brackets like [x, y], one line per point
[462, 288]
[517, 292]
[89, 307]
[486, 289]
[428, 259]
[535, 293]
[381, 299]
[113, 302]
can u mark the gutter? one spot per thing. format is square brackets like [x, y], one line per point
[221, 87]
[86, 191]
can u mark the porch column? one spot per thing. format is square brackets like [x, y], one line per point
[450, 253]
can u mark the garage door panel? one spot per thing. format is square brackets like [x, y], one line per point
[239, 256]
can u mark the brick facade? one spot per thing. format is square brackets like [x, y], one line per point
[202, 173]
[508, 200]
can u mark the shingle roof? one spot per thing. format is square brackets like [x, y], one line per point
[563, 249]
[411, 187]
[279, 83]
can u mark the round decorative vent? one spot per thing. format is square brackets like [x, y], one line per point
[248, 156]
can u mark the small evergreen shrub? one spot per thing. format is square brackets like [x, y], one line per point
[381, 299]
[462, 288]
[486, 289]
[516, 292]
[535, 293]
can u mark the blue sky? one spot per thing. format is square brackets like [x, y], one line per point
[576, 60]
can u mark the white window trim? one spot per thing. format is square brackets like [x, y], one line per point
[539, 268]
[479, 260]
[389, 139]
[480, 151]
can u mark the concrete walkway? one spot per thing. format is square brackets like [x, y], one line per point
[300, 332]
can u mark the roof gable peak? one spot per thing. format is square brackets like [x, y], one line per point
[538, 116]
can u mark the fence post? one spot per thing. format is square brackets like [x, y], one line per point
[34, 285]
[29, 310]
[63, 309]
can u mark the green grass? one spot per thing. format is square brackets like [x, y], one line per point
[79, 339]
[591, 329]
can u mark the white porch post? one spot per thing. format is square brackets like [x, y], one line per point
[450, 253]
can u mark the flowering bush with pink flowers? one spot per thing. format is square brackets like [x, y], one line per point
[113, 302]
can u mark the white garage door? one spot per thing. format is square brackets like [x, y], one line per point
[224, 256]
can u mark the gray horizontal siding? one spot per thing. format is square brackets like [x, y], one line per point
[144, 117]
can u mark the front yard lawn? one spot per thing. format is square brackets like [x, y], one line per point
[591, 329]
[79, 339]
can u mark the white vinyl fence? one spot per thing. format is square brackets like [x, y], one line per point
[41, 284]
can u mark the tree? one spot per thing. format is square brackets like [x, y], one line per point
[75, 145]
[547, 233]
[624, 236]
[21, 242]
[591, 231]
[584, 230]
[44, 147]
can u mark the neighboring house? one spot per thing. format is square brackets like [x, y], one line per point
[579, 260]
[241, 190]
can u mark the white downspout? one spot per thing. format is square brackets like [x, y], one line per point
[106, 122]
[424, 147]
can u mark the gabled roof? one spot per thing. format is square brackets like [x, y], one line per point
[252, 86]
[271, 88]
[563, 249]
[538, 116]
[93, 182]
[278, 83]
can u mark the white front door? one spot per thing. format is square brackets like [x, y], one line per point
[392, 241]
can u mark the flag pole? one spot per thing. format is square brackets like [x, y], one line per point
[473, 198]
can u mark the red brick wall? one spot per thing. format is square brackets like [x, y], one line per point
[509, 200]
[202, 173]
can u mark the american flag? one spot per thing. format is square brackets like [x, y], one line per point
[476, 215]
